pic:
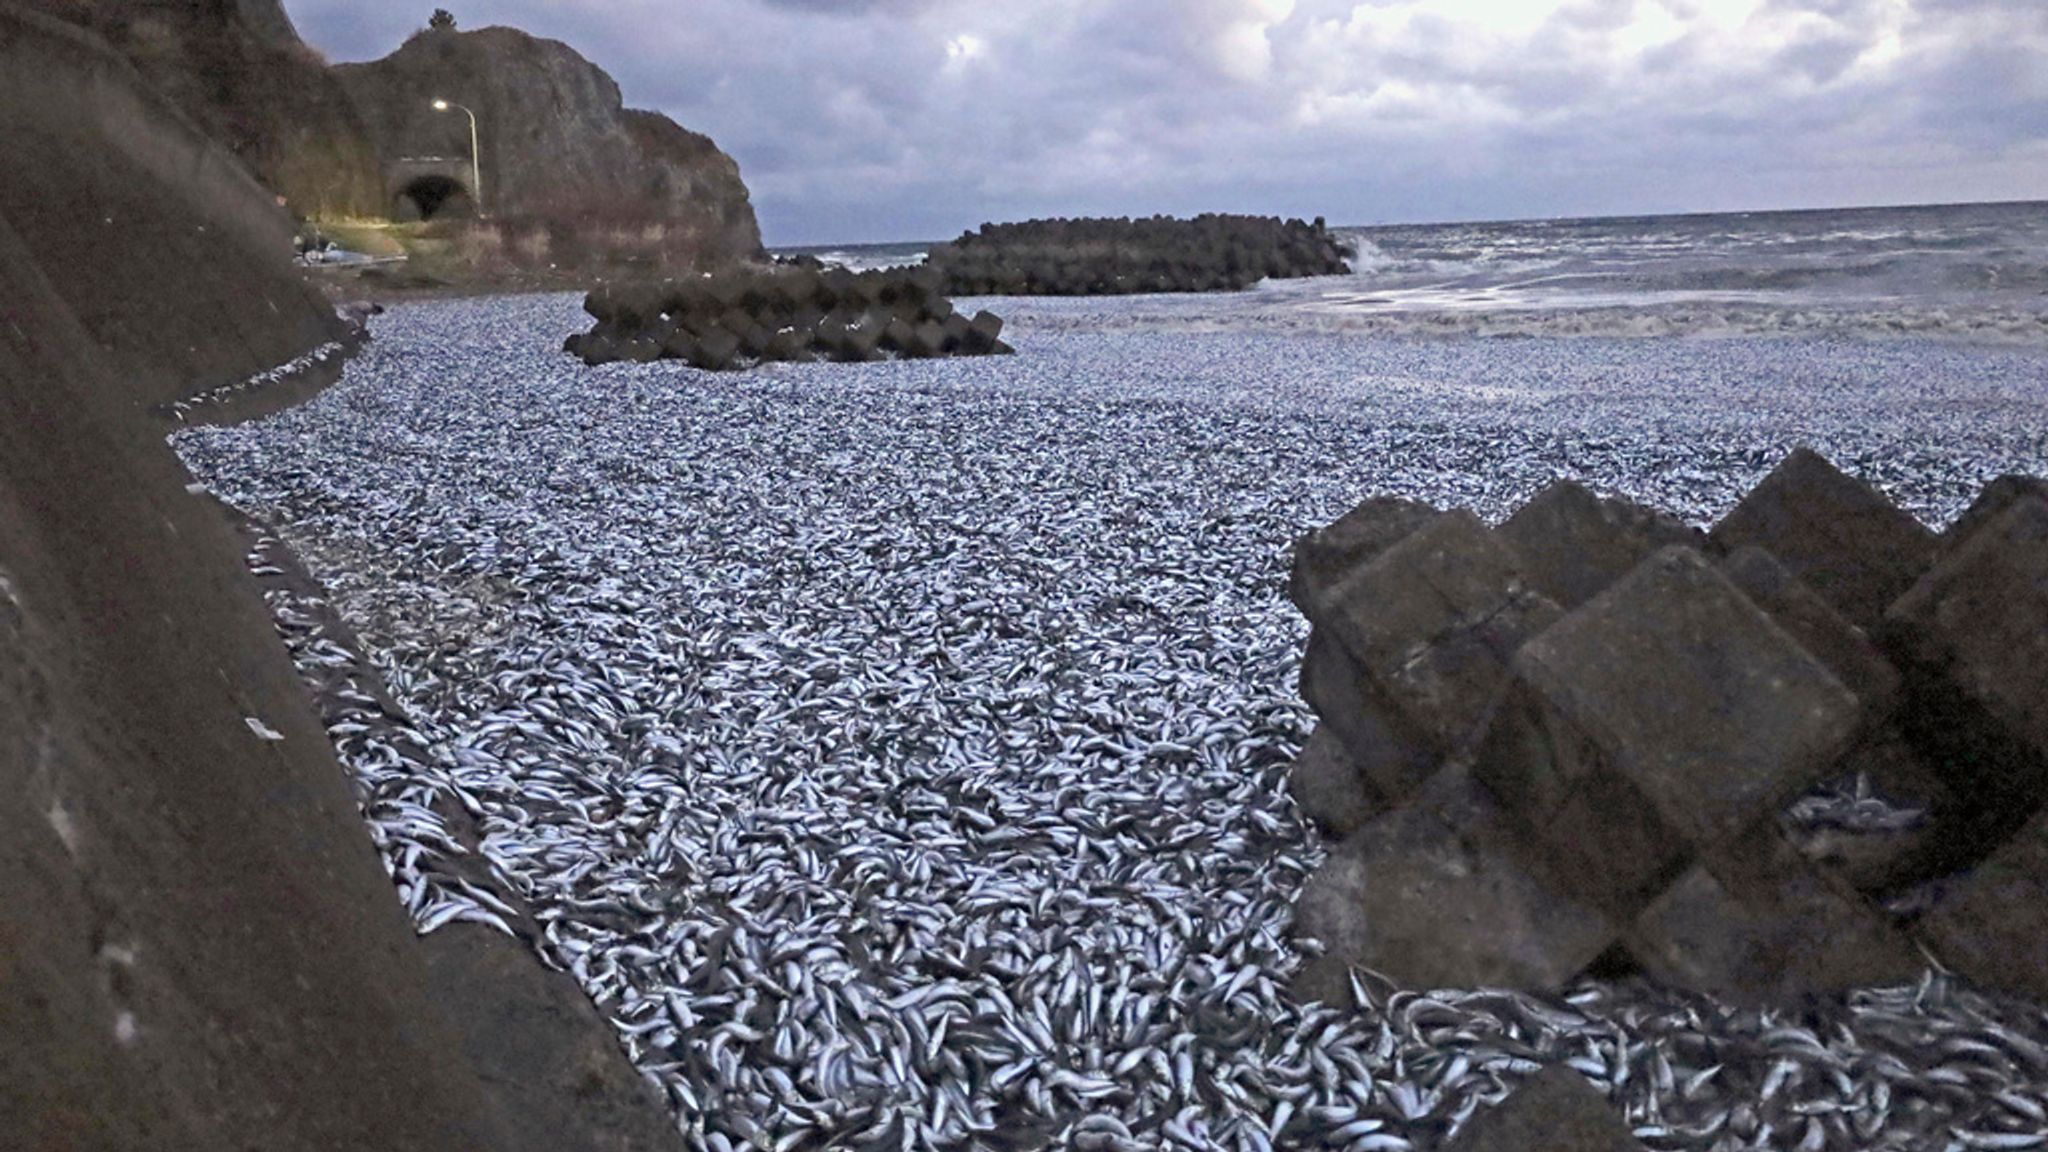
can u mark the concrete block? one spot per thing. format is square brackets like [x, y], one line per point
[1435, 895]
[1753, 923]
[956, 328]
[983, 331]
[1386, 749]
[1556, 1110]
[715, 349]
[1325, 556]
[679, 345]
[755, 340]
[1846, 650]
[1992, 925]
[1433, 621]
[1972, 638]
[862, 341]
[1665, 716]
[900, 336]
[1329, 788]
[1992, 502]
[1835, 532]
[1573, 543]
[1885, 824]
[791, 345]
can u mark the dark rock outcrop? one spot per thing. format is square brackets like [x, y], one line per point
[1109, 257]
[558, 143]
[557, 139]
[238, 69]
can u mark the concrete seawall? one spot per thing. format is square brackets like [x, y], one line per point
[198, 946]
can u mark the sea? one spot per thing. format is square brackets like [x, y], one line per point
[1976, 272]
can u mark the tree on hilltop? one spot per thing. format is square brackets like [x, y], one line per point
[441, 21]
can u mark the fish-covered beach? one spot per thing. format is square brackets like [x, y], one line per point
[897, 753]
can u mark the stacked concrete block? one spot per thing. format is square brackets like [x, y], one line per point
[1751, 923]
[1992, 927]
[1839, 535]
[1210, 253]
[1363, 751]
[1992, 501]
[1435, 894]
[1972, 637]
[1555, 1111]
[1817, 627]
[1389, 754]
[785, 313]
[1664, 718]
[1888, 823]
[1521, 787]
[1325, 556]
[1329, 786]
[1431, 624]
[1573, 543]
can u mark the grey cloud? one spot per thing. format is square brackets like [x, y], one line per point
[853, 120]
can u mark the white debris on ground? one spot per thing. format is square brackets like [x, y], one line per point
[897, 753]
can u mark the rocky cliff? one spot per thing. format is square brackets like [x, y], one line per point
[559, 143]
[558, 140]
[238, 69]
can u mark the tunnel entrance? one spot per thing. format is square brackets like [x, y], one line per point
[434, 197]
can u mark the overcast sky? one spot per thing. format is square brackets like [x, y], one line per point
[872, 120]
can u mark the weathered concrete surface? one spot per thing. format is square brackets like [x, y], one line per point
[1573, 543]
[1555, 1111]
[238, 69]
[1973, 639]
[1817, 627]
[1329, 787]
[1666, 716]
[198, 946]
[1433, 621]
[1992, 502]
[1881, 861]
[1993, 926]
[1436, 895]
[1755, 924]
[1324, 557]
[99, 171]
[1387, 751]
[1835, 532]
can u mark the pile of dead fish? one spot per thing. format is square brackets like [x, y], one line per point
[906, 763]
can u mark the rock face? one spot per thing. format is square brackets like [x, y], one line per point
[240, 71]
[557, 140]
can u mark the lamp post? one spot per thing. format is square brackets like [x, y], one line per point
[476, 168]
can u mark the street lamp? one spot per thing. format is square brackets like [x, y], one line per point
[476, 169]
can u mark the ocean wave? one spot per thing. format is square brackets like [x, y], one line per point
[872, 261]
[1351, 314]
